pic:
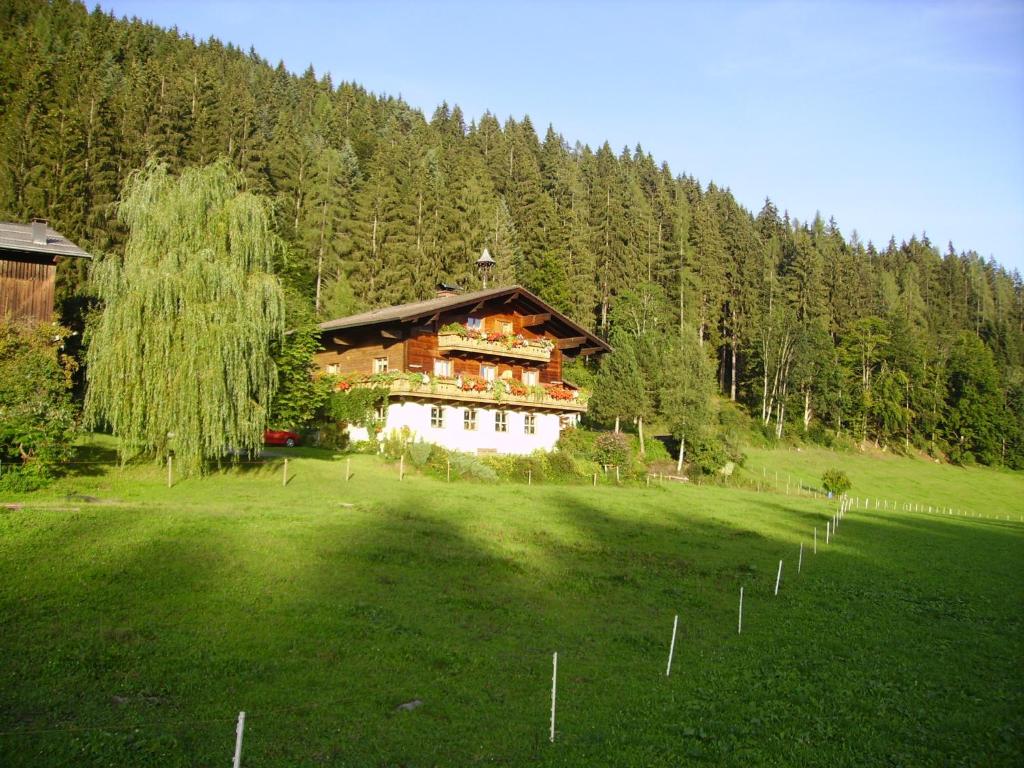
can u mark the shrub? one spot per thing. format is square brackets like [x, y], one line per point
[419, 453]
[465, 465]
[733, 427]
[519, 468]
[654, 449]
[333, 435]
[612, 448]
[562, 465]
[397, 441]
[835, 481]
[707, 455]
[578, 442]
[37, 416]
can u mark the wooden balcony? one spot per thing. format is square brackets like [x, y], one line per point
[530, 349]
[539, 398]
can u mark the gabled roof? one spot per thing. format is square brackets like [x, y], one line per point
[18, 237]
[419, 310]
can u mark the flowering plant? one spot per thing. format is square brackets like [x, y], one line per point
[560, 393]
[474, 384]
[507, 340]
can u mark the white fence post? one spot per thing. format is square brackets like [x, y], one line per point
[237, 762]
[554, 689]
[739, 626]
[672, 646]
[778, 578]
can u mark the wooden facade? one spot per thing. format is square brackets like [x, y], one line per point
[29, 254]
[409, 343]
[26, 286]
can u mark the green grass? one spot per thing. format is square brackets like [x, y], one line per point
[137, 625]
[885, 476]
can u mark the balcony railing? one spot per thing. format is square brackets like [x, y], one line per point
[475, 390]
[506, 346]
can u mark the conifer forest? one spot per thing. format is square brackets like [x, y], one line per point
[908, 344]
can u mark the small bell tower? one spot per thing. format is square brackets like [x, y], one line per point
[484, 266]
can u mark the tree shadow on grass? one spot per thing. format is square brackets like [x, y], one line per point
[320, 624]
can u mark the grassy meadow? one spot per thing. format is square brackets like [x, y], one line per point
[137, 620]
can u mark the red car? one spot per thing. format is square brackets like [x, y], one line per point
[281, 437]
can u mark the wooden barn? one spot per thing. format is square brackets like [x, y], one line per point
[28, 266]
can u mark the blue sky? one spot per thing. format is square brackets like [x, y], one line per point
[896, 118]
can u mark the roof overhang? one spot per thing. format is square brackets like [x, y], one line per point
[575, 339]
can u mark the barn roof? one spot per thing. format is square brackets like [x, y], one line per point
[19, 237]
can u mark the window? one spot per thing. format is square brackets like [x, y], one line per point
[530, 424]
[531, 378]
[443, 368]
[469, 419]
[487, 372]
[380, 365]
[500, 421]
[474, 323]
[506, 327]
[332, 369]
[381, 412]
[437, 417]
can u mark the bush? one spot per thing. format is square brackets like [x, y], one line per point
[37, 416]
[563, 465]
[612, 449]
[819, 434]
[419, 453]
[464, 466]
[578, 442]
[654, 449]
[733, 427]
[835, 481]
[519, 468]
[468, 466]
[707, 455]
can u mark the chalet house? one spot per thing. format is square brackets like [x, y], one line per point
[28, 265]
[478, 372]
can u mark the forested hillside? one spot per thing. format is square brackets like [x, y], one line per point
[809, 328]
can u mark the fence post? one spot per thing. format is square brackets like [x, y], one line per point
[672, 647]
[239, 729]
[170, 473]
[449, 470]
[401, 467]
[348, 469]
[284, 477]
[554, 688]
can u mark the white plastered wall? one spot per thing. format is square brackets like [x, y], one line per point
[453, 435]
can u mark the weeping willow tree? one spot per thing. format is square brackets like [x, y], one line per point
[179, 360]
